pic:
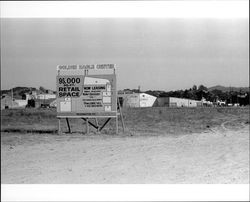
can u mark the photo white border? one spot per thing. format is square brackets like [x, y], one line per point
[125, 9]
[125, 192]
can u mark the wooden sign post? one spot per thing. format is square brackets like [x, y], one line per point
[89, 96]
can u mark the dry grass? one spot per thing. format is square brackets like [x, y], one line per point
[214, 148]
[182, 120]
[141, 121]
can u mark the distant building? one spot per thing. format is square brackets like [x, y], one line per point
[24, 101]
[34, 94]
[44, 102]
[46, 96]
[176, 102]
[137, 100]
[53, 104]
[8, 103]
[206, 103]
[21, 103]
[220, 103]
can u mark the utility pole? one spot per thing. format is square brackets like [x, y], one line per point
[230, 89]
[139, 96]
[11, 97]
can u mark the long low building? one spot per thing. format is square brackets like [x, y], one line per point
[176, 102]
[135, 100]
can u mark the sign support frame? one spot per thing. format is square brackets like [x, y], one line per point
[96, 125]
[87, 117]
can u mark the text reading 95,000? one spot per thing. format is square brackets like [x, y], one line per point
[69, 80]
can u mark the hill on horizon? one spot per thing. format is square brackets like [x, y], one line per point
[228, 89]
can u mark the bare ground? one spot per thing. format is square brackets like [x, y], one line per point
[216, 155]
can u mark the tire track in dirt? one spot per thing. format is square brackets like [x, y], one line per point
[225, 122]
[241, 123]
[244, 124]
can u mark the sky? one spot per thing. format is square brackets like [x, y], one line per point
[153, 53]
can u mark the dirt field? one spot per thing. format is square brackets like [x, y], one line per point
[160, 145]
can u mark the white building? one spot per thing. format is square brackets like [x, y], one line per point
[221, 103]
[34, 94]
[46, 96]
[205, 102]
[138, 100]
[21, 103]
[176, 102]
[53, 104]
[182, 102]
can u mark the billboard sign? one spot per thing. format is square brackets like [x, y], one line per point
[82, 94]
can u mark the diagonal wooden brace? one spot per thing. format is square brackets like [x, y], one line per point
[92, 124]
[104, 124]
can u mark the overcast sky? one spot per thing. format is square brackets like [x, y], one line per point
[165, 54]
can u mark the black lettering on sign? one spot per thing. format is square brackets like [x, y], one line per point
[68, 94]
[69, 86]
[69, 80]
[98, 88]
[92, 104]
